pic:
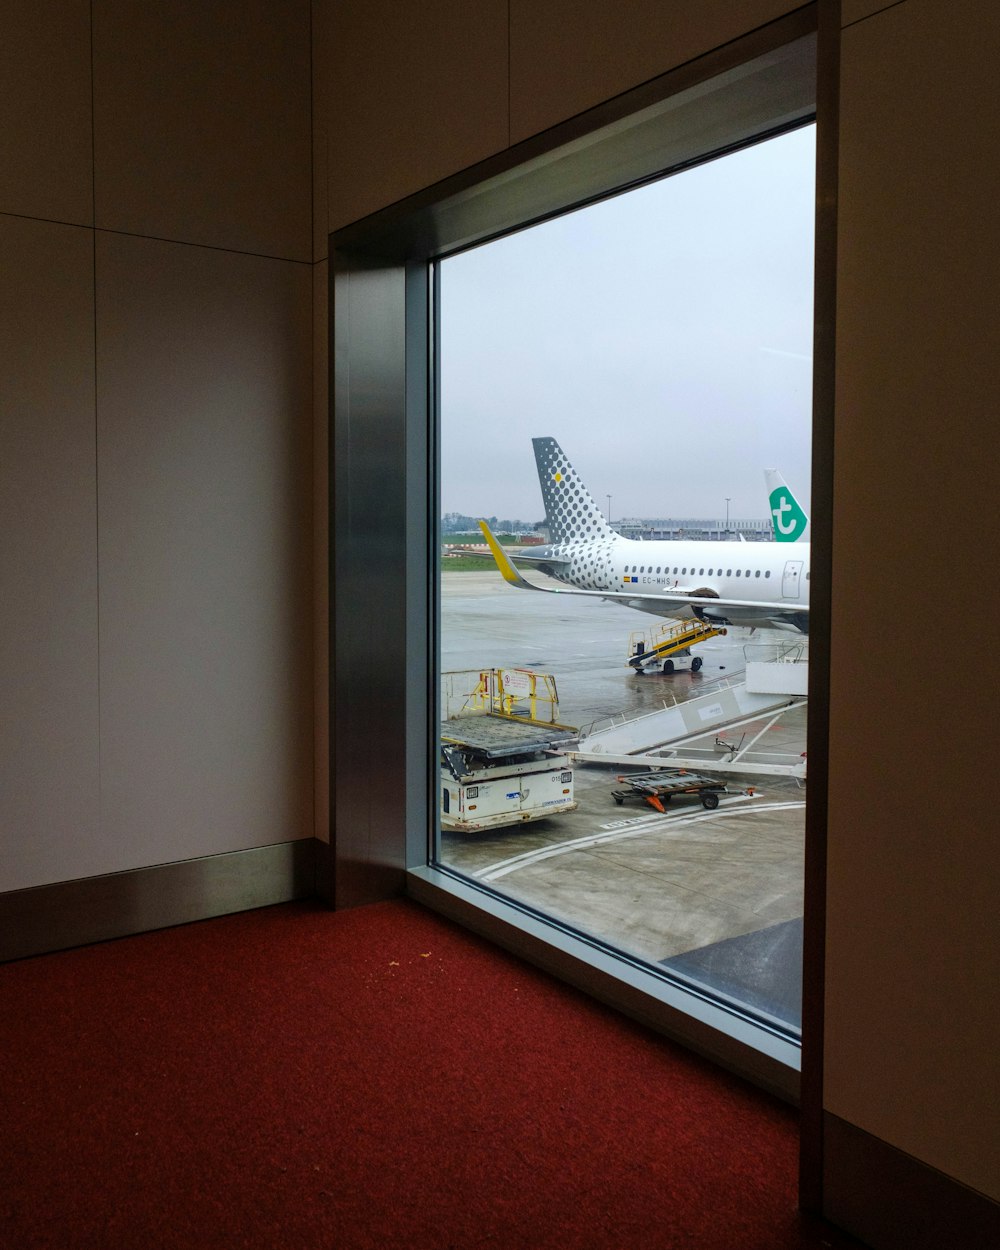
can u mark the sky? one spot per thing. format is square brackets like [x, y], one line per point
[663, 337]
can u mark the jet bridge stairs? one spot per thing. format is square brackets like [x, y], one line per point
[751, 725]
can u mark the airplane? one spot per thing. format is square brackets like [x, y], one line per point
[788, 517]
[756, 585]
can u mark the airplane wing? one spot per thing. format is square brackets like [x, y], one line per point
[525, 555]
[777, 611]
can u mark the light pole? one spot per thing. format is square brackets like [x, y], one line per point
[728, 498]
[609, 511]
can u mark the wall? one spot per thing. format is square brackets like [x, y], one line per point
[155, 434]
[911, 1016]
[912, 1010]
[419, 92]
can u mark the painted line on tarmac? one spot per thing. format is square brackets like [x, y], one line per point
[630, 827]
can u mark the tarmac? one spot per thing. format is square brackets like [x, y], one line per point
[715, 896]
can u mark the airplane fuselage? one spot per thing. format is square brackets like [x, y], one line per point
[768, 572]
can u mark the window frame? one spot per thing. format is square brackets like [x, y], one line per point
[384, 531]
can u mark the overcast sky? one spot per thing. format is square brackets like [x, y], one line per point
[663, 337]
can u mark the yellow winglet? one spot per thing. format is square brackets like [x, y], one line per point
[507, 570]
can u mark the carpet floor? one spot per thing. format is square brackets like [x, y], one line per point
[294, 1077]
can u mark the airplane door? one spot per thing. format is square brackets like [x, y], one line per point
[791, 578]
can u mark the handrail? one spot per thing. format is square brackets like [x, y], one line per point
[777, 652]
[624, 718]
[516, 693]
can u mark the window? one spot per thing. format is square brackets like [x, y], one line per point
[519, 314]
[381, 442]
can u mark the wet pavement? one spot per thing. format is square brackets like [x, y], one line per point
[655, 885]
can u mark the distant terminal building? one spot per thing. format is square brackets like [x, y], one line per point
[754, 531]
[644, 528]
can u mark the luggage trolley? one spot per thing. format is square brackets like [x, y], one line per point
[659, 787]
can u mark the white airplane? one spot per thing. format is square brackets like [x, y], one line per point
[788, 517]
[728, 583]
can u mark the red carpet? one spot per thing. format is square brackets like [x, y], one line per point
[297, 1078]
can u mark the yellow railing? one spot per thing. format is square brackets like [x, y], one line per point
[517, 693]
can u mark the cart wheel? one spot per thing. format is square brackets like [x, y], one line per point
[710, 800]
[696, 664]
[617, 799]
[668, 666]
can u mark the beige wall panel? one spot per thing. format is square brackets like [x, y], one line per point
[913, 1014]
[857, 10]
[46, 151]
[321, 545]
[48, 555]
[202, 123]
[204, 442]
[568, 55]
[417, 92]
[322, 66]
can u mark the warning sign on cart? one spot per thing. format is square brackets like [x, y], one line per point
[516, 681]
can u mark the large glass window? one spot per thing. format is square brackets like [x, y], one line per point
[627, 756]
[627, 445]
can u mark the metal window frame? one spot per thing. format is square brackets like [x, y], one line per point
[384, 459]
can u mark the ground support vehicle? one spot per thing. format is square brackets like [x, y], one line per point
[501, 770]
[659, 787]
[667, 648]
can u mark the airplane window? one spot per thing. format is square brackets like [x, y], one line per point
[748, 572]
[729, 572]
[737, 573]
[757, 574]
[657, 568]
[768, 573]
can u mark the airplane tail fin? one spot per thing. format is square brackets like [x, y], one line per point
[788, 517]
[571, 513]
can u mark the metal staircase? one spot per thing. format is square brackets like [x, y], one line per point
[648, 649]
[702, 734]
